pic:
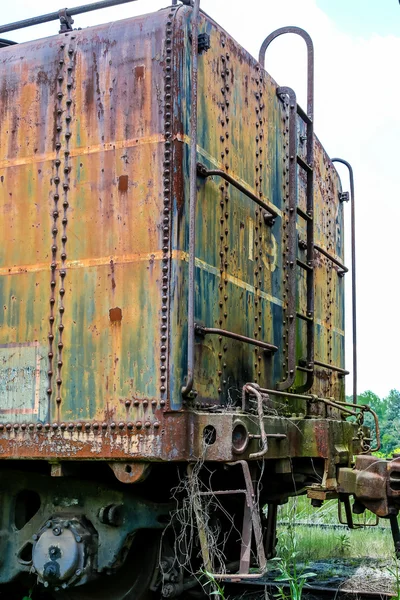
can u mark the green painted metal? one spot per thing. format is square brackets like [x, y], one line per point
[94, 189]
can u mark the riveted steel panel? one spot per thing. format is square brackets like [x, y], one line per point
[82, 185]
[94, 193]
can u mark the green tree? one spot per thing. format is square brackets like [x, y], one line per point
[388, 412]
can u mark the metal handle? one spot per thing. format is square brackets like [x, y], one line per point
[353, 272]
[188, 387]
[201, 330]
[271, 213]
[335, 261]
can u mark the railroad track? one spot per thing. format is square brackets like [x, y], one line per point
[268, 591]
[314, 593]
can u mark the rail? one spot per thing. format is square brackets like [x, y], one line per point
[200, 330]
[188, 387]
[271, 212]
[352, 410]
[353, 272]
[335, 261]
[291, 280]
[65, 13]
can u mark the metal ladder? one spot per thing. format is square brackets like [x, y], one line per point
[295, 161]
[251, 527]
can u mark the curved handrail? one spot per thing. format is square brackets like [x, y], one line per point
[310, 59]
[353, 272]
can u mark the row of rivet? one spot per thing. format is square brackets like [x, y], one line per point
[57, 180]
[167, 194]
[66, 182]
[79, 426]
[61, 183]
[224, 118]
[258, 224]
[145, 403]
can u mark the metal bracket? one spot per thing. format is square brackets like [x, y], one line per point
[344, 196]
[66, 21]
[203, 42]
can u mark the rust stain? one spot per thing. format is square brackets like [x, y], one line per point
[139, 72]
[115, 314]
[112, 266]
[123, 183]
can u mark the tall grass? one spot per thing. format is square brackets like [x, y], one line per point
[318, 543]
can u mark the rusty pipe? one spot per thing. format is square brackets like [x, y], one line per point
[353, 272]
[188, 387]
[54, 16]
[260, 412]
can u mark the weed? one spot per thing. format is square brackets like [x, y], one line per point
[215, 588]
[294, 577]
[395, 573]
[343, 544]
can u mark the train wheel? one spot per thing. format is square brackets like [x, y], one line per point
[131, 581]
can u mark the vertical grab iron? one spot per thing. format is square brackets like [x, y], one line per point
[308, 216]
[353, 272]
[188, 387]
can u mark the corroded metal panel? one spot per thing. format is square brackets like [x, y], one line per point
[239, 263]
[242, 262]
[82, 259]
[94, 193]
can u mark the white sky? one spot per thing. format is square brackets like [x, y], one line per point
[357, 117]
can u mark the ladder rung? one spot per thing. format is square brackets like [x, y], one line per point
[305, 317]
[303, 214]
[304, 165]
[303, 115]
[304, 265]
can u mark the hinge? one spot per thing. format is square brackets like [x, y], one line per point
[344, 196]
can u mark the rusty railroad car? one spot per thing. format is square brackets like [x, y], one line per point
[172, 308]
